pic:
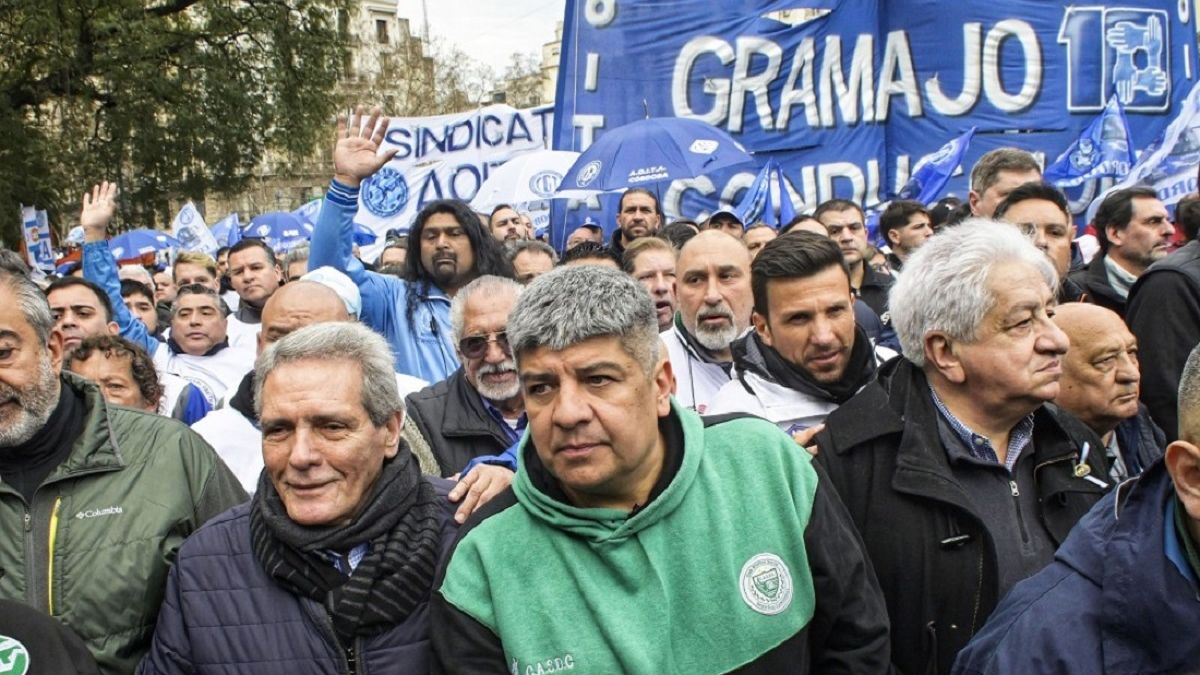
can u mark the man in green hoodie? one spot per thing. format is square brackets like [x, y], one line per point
[639, 538]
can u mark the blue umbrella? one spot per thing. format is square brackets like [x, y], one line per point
[136, 243]
[280, 229]
[647, 152]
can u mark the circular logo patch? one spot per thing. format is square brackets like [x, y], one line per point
[386, 193]
[14, 658]
[589, 173]
[766, 584]
[544, 183]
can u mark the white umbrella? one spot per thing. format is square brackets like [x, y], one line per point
[528, 177]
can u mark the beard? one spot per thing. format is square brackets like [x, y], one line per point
[715, 339]
[34, 406]
[444, 275]
[497, 392]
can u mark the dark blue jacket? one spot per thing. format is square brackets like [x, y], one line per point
[1118, 598]
[223, 615]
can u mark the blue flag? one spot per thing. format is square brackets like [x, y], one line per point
[224, 230]
[933, 171]
[309, 212]
[758, 204]
[1103, 149]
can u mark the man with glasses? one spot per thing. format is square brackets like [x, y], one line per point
[478, 411]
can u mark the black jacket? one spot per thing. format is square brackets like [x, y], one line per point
[451, 417]
[1096, 289]
[934, 560]
[874, 291]
[1164, 315]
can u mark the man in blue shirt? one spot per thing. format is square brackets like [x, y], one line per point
[448, 248]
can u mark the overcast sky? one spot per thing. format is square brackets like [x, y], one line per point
[490, 31]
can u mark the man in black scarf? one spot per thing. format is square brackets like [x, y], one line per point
[806, 355]
[333, 559]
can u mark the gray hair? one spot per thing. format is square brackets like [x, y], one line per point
[516, 248]
[339, 341]
[197, 289]
[987, 170]
[297, 254]
[32, 303]
[571, 304]
[1189, 397]
[489, 284]
[137, 273]
[944, 285]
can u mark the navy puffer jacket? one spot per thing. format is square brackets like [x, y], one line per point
[223, 614]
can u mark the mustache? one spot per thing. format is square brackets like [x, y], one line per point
[507, 366]
[719, 312]
[445, 255]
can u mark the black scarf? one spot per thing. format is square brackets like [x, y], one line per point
[176, 349]
[751, 355]
[400, 520]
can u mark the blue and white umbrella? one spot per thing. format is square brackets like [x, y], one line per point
[280, 229]
[136, 243]
[649, 152]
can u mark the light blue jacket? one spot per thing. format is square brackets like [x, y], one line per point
[100, 268]
[422, 345]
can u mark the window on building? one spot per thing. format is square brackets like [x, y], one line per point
[381, 31]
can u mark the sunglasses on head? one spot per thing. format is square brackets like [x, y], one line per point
[476, 346]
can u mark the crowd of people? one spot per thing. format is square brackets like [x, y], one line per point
[690, 447]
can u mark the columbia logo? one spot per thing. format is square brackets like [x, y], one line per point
[96, 513]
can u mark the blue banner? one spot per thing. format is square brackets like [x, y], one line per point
[846, 95]
[1102, 150]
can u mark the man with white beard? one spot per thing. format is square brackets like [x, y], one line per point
[712, 286]
[478, 411]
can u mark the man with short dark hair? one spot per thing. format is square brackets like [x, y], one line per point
[1164, 314]
[530, 259]
[583, 566]
[139, 300]
[1040, 211]
[588, 231]
[638, 215]
[1120, 596]
[295, 263]
[806, 355]
[847, 226]
[80, 309]
[590, 253]
[952, 450]
[1134, 231]
[448, 247]
[996, 174]
[904, 225]
[255, 274]
[757, 236]
[505, 224]
[96, 499]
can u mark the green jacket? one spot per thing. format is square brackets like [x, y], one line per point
[95, 545]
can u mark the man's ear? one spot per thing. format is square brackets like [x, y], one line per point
[762, 327]
[393, 426]
[113, 328]
[941, 354]
[973, 199]
[55, 346]
[893, 237]
[664, 384]
[1182, 460]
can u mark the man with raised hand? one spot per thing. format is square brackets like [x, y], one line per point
[448, 247]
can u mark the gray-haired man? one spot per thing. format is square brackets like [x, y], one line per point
[331, 564]
[580, 565]
[961, 478]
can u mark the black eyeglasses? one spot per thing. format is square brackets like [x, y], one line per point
[476, 346]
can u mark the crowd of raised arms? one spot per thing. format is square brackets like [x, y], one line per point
[686, 447]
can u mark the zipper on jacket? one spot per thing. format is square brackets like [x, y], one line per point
[50, 555]
[351, 660]
[1016, 494]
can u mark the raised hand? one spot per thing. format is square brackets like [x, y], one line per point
[356, 155]
[97, 210]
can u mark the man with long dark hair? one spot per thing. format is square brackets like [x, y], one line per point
[448, 247]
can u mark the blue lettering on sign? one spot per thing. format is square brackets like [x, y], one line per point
[386, 193]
